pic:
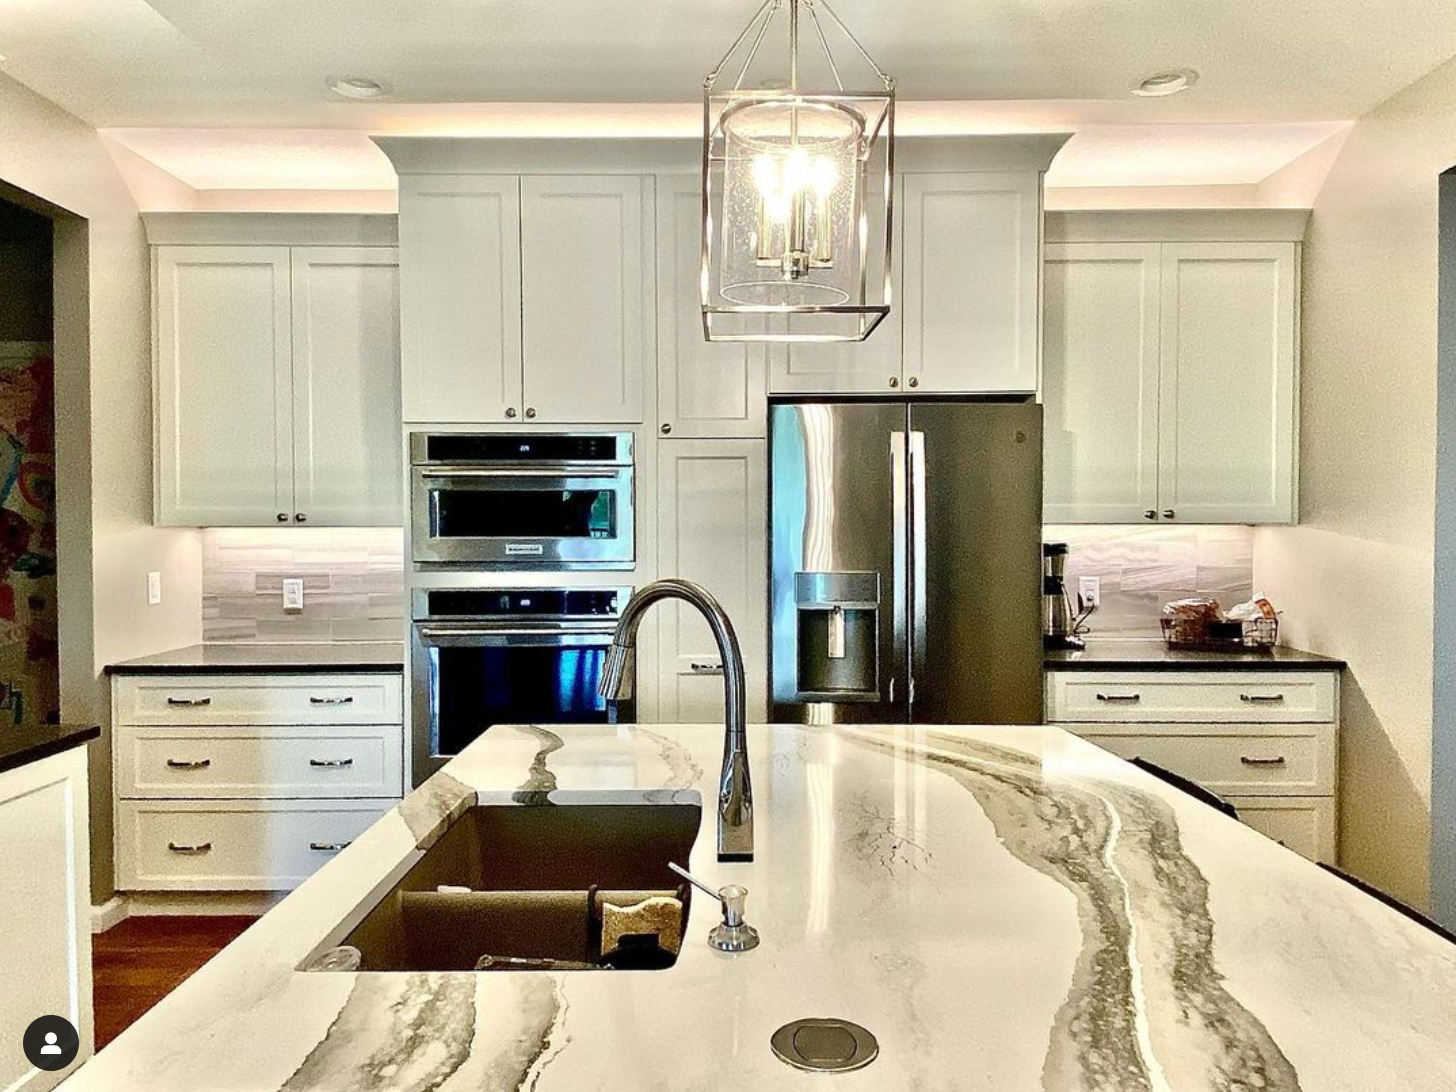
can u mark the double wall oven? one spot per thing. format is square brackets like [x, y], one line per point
[487, 656]
[507, 501]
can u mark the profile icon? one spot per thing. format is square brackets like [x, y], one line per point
[51, 1042]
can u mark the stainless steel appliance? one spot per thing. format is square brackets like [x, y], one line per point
[523, 500]
[488, 656]
[1061, 625]
[905, 539]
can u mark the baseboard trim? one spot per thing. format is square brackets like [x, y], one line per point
[112, 912]
[201, 904]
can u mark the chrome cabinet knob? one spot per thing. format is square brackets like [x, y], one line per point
[530, 412]
[1168, 513]
[914, 381]
[894, 381]
[282, 517]
[511, 413]
[666, 430]
[299, 517]
[1150, 514]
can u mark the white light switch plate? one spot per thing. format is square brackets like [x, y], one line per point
[1089, 590]
[154, 589]
[293, 593]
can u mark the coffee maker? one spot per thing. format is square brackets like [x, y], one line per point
[1061, 625]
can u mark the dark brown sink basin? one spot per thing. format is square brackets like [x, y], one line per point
[511, 887]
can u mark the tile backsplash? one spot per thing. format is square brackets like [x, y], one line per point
[353, 584]
[1141, 568]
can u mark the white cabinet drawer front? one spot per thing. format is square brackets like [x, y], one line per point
[1236, 763]
[169, 762]
[240, 846]
[1305, 826]
[259, 699]
[1262, 697]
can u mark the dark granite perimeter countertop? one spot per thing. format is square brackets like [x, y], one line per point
[22, 746]
[1153, 655]
[376, 656]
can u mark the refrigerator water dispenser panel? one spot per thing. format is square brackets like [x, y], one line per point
[838, 617]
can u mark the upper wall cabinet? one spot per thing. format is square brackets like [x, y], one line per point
[703, 390]
[526, 298]
[1171, 368]
[277, 386]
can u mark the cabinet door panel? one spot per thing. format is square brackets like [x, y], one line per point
[585, 268]
[224, 376]
[460, 297]
[346, 417]
[712, 495]
[1228, 383]
[1100, 382]
[702, 389]
[971, 269]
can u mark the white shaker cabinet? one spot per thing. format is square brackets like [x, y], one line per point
[346, 466]
[711, 530]
[1171, 368]
[460, 293]
[1100, 382]
[45, 909]
[972, 261]
[586, 296]
[703, 389]
[277, 386]
[224, 385]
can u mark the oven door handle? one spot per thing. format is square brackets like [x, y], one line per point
[493, 635]
[525, 472]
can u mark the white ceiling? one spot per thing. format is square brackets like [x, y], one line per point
[254, 66]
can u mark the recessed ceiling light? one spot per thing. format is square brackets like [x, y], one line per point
[1165, 83]
[357, 87]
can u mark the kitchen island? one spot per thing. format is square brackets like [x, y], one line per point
[1004, 908]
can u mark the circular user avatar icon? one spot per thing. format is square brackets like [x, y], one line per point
[51, 1042]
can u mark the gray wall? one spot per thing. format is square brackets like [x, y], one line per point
[1443, 727]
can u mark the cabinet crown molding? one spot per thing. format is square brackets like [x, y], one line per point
[271, 229]
[1177, 226]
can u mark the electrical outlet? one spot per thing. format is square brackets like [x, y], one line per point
[293, 594]
[154, 589]
[1089, 590]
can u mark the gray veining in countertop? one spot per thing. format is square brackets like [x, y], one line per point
[1004, 908]
[373, 656]
[1153, 655]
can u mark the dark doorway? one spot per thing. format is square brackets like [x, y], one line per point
[29, 670]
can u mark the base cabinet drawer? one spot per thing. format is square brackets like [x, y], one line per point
[259, 699]
[1306, 825]
[1231, 762]
[1250, 697]
[242, 845]
[258, 763]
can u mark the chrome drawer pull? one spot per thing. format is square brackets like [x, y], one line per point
[1261, 699]
[700, 667]
[1128, 699]
[190, 851]
[189, 703]
[188, 763]
[328, 847]
[1277, 760]
[331, 763]
[331, 701]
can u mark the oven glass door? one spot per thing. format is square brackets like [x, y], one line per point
[477, 677]
[520, 515]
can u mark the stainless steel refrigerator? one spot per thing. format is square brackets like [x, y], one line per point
[905, 557]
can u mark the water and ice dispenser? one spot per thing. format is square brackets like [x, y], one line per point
[838, 616]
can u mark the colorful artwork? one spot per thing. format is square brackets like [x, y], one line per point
[29, 663]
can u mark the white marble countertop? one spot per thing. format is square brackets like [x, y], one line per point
[1008, 909]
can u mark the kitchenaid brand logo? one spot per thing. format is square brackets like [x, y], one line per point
[524, 549]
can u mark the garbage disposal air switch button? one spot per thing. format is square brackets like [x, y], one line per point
[825, 1045]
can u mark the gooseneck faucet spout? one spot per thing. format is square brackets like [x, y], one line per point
[735, 794]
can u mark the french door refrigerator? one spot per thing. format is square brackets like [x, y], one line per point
[905, 558]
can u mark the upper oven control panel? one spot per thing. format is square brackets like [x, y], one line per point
[554, 603]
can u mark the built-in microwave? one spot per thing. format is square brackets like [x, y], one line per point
[523, 500]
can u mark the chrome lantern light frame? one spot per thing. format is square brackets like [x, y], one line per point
[798, 192]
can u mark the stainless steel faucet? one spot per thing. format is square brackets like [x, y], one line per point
[735, 794]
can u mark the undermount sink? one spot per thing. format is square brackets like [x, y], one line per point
[512, 887]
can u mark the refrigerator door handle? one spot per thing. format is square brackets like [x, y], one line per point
[900, 518]
[918, 596]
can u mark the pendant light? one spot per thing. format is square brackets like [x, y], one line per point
[798, 195]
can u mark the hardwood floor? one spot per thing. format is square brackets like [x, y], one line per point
[142, 960]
